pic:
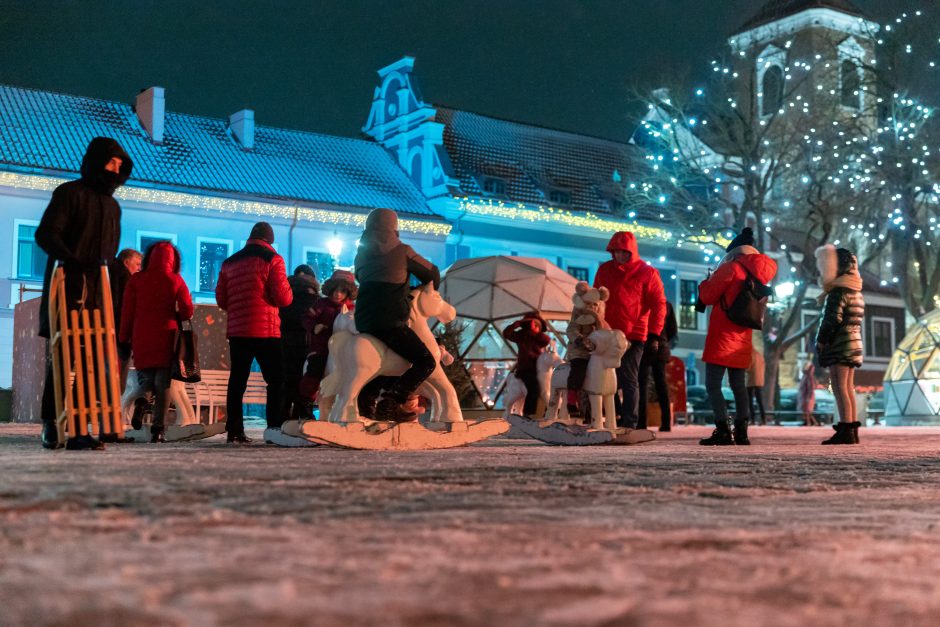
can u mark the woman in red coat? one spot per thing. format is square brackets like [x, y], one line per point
[728, 346]
[155, 300]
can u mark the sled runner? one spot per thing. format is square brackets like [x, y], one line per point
[566, 433]
[383, 436]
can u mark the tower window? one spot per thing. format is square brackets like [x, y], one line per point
[772, 88]
[851, 84]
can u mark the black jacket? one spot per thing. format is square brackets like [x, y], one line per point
[81, 227]
[839, 338]
[305, 289]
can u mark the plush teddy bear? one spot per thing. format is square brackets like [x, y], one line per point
[586, 317]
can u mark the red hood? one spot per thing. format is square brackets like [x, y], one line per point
[761, 266]
[163, 258]
[624, 240]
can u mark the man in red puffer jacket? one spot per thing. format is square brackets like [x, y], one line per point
[252, 287]
[637, 306]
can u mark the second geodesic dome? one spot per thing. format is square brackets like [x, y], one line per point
[912, 382]
[491, 292]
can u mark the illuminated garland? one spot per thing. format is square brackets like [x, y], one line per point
[228, 205]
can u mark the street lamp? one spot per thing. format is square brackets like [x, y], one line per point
[784, 290]
[334, 246]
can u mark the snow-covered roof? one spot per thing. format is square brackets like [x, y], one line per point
[50, 131]
[532, 161]
[779, 9]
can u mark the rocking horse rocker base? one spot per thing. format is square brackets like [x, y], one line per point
[288, 436]
[180, 433]
[384, 436]
[568, 433]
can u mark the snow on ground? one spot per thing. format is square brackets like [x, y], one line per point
[509, 532]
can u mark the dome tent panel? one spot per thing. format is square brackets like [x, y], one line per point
[490, 344]
[917, 403]
[902, 390]
[469, 330]
[488, 378]
[932, 369]
[931, 390]
[513, 306]
[912, 340]
[892, 406]
[920, 358]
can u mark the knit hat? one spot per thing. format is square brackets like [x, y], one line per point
[304, 269]
[262, 230]
[341, 279]
[744, 238]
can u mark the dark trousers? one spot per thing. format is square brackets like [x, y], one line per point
[294, 357]
[156, 380]
[409, 347]
[756, 396]
[243, 350]
[530, 379]
[658, 369]
[714, 375]
[628, 381]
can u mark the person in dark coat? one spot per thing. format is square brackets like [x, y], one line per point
[839, 338]
[383, 267]
[304, 287]
[120, 271]
[252, 288]
[155, 300]
[80, 229]
[655, 357]
[528, 334]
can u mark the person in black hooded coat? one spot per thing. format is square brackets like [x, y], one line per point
[81, 229]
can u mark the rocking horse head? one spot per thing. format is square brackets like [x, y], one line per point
[426, 302]
[609, 346]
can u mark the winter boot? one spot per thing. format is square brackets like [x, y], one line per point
[843, 434]
[50, 435]
[721, 436]
[137, 418]
[391, 410]
[853, 426]
[156, 436]
[238, 438]
[83, 443]
[740, 433]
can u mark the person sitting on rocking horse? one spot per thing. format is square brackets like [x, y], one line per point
[383, 267]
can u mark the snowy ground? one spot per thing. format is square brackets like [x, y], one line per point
[785, 532]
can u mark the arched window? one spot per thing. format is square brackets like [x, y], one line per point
[772, 88]
[851, 84]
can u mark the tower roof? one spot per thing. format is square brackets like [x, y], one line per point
[778, 9]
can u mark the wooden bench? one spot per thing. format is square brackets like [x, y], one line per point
[212, 390]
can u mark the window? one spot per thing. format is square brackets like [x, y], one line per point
[211, 253]
[30, 258]
[146, 239]
[851, 84]
[322, 263]
[772, 88]
[494, 186]
[882, 337]
[688, 295]
[559, 197]
[580, 274]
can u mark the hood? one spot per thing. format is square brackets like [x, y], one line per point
[624, 240]
[381, 231]
[162, 257]
[534, 315]
[303, 283]
[761, 266]
[99, 152]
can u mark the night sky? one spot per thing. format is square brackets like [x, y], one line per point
[311, 65]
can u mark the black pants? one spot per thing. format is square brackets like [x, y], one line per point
[628, 381]
[530, 379]
[243, 350]
[577, 371]
[714, 375]
[294, 356]
[409, 347]
[156, 380]
[658, 369]
[756, 396]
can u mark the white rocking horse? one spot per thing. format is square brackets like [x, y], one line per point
[514, 396]
[356, 358]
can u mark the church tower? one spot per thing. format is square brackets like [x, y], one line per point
[832, 36]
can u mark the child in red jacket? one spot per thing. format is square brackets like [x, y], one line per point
[529, 336]
[155, 300]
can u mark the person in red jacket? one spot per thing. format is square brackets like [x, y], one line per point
[252, 287]
[637, 306]
[528, 334]
[728, 346]
[155, 299]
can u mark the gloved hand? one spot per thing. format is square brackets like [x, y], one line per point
[124, 351]
[652, 342]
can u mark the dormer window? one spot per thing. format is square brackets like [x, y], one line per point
[494, 186]
[850, 77]
[559, 197]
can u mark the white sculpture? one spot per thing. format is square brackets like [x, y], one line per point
[356, 358]
[545, 365]
[178, 398]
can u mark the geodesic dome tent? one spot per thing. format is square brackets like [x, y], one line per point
[912, 382]
[491, 292]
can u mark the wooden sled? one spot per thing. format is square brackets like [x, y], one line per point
[185, 433]
[563, 433]
[288, 436]
[409, 436]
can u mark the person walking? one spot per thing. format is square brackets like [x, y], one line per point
[155, 301]
[729, 346]
[755, 385]
[839, 337]
[304, 288]
[384, 265]
[637, 307]
[252, 288]
[806, 395]
[120, 271]
[653, 364]
[80, 229]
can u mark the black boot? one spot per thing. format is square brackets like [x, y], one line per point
[137, 418]
[238, 438]
[83, 443]
[391, 410]
[156, 435]
[721, 436]
[50, 435]
[843, 434]
[853, 426]
[740, 433]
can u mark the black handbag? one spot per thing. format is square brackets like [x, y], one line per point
[748, 308]
[185, 366]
